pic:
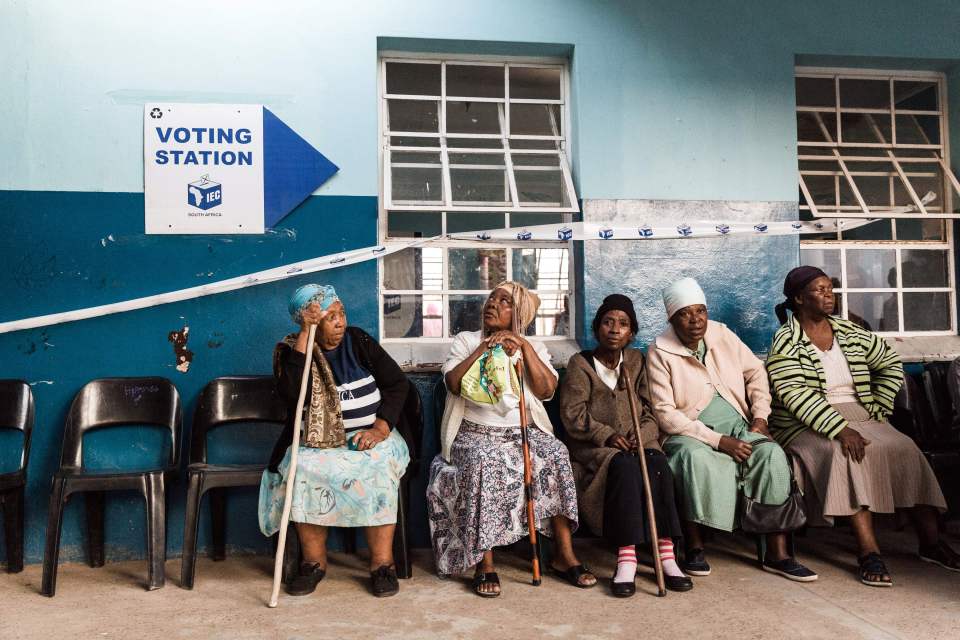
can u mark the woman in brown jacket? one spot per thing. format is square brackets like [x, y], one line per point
[595, 409]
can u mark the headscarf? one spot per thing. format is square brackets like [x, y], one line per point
[795, 282]
[525, 305]
[303, 297]
[682, 293]
[617, 302]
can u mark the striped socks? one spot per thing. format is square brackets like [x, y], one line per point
[626, 564]
[667, 559]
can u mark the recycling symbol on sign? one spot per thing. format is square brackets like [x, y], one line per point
[155, 113]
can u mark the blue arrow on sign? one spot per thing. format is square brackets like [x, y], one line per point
[292, 169]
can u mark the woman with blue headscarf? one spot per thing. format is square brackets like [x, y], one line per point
[351, 455]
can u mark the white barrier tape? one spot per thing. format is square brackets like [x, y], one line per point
[312, 265]
[683, 230]
[547, 232]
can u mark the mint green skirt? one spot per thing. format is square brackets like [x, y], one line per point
[709, 483]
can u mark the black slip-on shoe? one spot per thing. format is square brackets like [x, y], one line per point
[305, 582]
[678, 583]
[622, 589]
[384, 582]
[790, 569]
[694, 563]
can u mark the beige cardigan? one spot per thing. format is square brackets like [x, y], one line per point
[681, 386]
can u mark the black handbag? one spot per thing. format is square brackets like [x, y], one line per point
[756, 517]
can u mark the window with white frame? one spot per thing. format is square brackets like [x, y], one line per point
[468, 145]
[874, 145]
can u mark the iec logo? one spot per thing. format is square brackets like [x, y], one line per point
[204, 193]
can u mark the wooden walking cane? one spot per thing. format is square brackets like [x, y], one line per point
[292, 471]
[528, 478]
[625, 379]
[527, 461]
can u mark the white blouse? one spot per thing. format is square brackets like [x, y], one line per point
[610, 377]
[840, 387]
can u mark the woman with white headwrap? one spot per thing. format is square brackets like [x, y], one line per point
[352, 454]
[710, 395]
[475, 497]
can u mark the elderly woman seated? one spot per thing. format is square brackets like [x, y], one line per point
[711, 398]
[595, 407]
[833, 387]
[475, 496]
[351, 457]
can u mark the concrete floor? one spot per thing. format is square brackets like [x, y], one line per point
[737, 601]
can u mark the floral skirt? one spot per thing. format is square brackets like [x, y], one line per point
[476, 501]
[337, 487]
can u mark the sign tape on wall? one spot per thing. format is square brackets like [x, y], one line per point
[542, 233]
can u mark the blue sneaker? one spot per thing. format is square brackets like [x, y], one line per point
[694, 563]
[790, 569]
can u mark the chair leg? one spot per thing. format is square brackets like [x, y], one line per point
[94, 502]
[761, 540]
[218, 521]
[191, 522]
[401, 553]
[51, 553]
[349, 537]
[13, 529]
[153, 490]
[291, 554]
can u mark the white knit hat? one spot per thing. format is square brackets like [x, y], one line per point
[682, 293]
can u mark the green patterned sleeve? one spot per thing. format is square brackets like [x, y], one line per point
[886, 373]
[799, 392]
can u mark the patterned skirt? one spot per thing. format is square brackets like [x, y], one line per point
[337, 487]
[476, 501]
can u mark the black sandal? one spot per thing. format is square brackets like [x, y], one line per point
[480, 579]
[872, 565]
[573, 574]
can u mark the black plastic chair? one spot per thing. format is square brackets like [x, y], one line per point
[224, 401]
[111, 402]
[401, 537]
[16, 413]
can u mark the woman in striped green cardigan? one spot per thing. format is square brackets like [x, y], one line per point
[833, 385]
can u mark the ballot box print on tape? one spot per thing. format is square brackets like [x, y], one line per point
[212, 168]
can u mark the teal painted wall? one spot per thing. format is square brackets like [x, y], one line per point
[683, 101]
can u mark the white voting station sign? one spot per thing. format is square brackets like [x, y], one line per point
[219, 168]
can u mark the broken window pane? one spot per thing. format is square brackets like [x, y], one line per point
[541, 268]
[473, 117]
